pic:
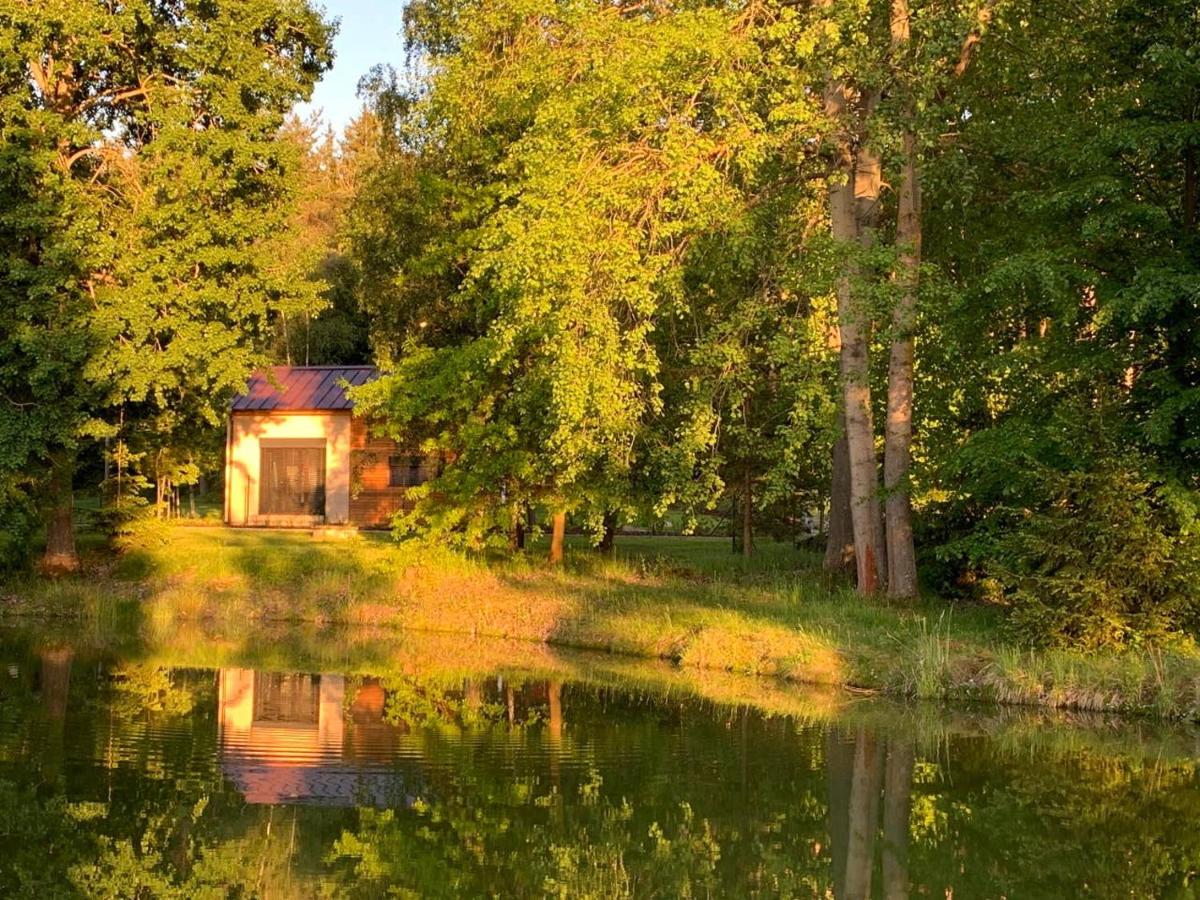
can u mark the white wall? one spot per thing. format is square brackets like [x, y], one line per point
[248, 430]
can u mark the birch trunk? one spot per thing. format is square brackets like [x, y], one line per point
[557, 533]
[853, 208]
[898, 430]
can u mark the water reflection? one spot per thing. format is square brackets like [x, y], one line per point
[866, 774]
[124, 778]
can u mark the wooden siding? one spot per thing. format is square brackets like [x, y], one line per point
[372, 500]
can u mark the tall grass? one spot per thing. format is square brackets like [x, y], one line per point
[687, 600]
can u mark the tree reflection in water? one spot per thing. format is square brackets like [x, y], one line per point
[865, 773]
[134, 780]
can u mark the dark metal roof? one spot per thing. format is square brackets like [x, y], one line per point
[302, 388]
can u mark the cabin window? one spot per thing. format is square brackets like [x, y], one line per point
[412, 469]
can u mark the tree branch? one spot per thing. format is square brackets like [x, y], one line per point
[983, 18]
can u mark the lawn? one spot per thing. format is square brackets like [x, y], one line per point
[688, 600]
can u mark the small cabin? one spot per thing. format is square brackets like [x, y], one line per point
[296, 455]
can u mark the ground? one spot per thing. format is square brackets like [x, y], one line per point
[688, 600]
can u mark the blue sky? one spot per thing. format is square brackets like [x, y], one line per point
[369, 34]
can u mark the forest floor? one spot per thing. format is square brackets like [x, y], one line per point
[688, 600]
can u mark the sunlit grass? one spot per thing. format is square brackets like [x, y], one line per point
[690, 601]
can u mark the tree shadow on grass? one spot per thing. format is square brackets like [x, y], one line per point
[787, 618]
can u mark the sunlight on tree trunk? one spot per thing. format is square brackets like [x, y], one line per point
[517, 530]
[853, 207]
[864, 465]
[557, 533]
[473, 695]
[898, 431]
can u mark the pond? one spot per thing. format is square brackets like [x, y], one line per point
[303, 765]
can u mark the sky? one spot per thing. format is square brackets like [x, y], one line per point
[369, 34]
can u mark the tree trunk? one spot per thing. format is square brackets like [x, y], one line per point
[839, 775]
[55, 697]
[473, 695]
[897, 787]
[747, 516]
[898, 430]
[853, 208]
[839, 549]
[61, 555]
[517, 534]
[863, 816]
[868, 181]
[557, 533]
[554, 695]
[1189, 187]
[608, 543]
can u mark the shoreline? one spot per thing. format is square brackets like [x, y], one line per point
[684, 601]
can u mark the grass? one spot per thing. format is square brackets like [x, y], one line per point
[686, 600]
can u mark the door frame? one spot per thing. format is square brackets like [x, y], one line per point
[298, 520]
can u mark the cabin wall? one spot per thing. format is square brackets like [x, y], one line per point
[248, 430]
[373, 501]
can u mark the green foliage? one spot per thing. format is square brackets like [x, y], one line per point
[1059, 355]
[1109, 560]
[144, 201]
[18, 520]
[567, 232]
[1087, 544]
[324, 182]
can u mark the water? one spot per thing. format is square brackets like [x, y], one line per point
[466, 769]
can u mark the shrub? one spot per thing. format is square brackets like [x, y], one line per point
[1086, 539]
[1111, 559]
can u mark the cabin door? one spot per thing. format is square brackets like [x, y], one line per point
[293, 481]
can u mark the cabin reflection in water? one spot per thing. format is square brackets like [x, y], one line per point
[290, 738]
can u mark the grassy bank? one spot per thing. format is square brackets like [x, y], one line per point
[683, 599]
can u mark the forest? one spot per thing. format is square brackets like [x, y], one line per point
[915, 281]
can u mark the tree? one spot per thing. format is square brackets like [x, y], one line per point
[328, 176]
[1067, 325]
[145, 199]
[542, 376]
[886, 89]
